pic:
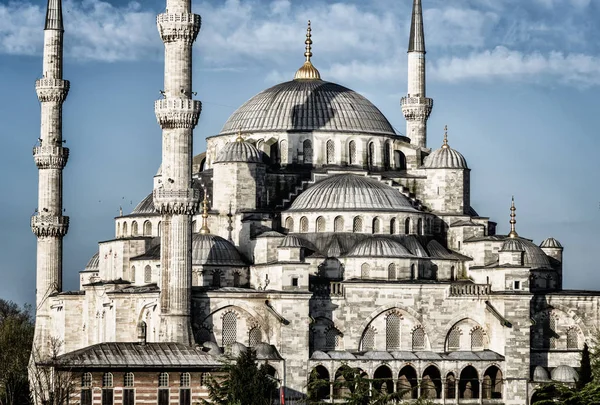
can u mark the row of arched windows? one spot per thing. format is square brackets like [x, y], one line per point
[146, 229]
[147, 275]
[376, 225]
[229, 331]
[392, 271]
[393, 336]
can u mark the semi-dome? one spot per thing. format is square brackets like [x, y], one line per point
[213, 250]
[145, 207]
[93, 263]
[350, 192]
[308, 105]
[540, 374]
[551, 243]
[379, 247]
[534, 255]
[239, 151]
[565, 374]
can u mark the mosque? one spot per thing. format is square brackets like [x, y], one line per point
[310, 231]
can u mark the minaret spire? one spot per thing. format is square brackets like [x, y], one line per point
[416, 106]
[48, 223]
[205, 229]
[308, 71]
[513, 222]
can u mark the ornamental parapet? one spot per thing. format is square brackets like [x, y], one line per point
[176, 202]
[50, 157]
[49, 225]
[469, 290]
[174, 113]
[415, 108]
[52, 89]
[178, 27]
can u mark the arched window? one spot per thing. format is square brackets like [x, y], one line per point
[392, 332]
[365, 270]
[124, 229]
[338, 224]
[86, 380]
[332, 337]
[492, 383]
[193, 226]
[330, 152]
[307, 152]
[147, 228]
[236, 279]
[393, 226]
[118, 229]
[128, 380]
[477, 339]
[128, 391]
[407, 226]
[274, 153]
[368, 340]
[386, 155]
[418, 338]
[132, 275]
[159, 229]
[371, 155]
[216, 279]
[392, 271]
[284, 152]
[254, 336]
[229, 329]
[320, 225]
[163, 389]
[469, 383]
[450, 386]
[572, 339]
[185, 392]
[357, 225]
[454, 340]
[352, 153]
[420, 227]
[413, 272]
[107, 389]
[303, 224]
[289, 224]
[204, 379]
[452, 273]
[553, 334]
[184, 380]
[376, 225]
[134, 228]
[399, 160]
[147, 275]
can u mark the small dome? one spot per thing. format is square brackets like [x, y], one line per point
[145, 207]
[534, 256]
[292, 241]
[265, 351]
[212, 348]
[565, 374]
[551, 243]
[540, 374]
[379, 247]
[512, 245]
[237, 349]
[213, 250]
[239, 151]
[94, 263]
[350, 192]
[445, 158]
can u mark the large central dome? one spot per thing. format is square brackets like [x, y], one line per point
[308, 105]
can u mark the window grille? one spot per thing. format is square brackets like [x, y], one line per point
[454, 340]
[352, 153]
[320, 224]
[418, 339]
[107, 380]
[357, 226]
[303, 224]
[284, 152]
[229, 329]
[572, 339]
[365, 270]
[376, 225]
[86, 380]
[289, 224]
[204, 379]
[338, 224]
[392, 271]
[331, 339]
[393, 226]
[163, 380]
[330, 152]
[368, 342]
[184, 380]
[254, 336]
[552, 325]
[147, 274]
[134, 228]
[477, 339]
[392, 332]
[308, 151]
[128, 380]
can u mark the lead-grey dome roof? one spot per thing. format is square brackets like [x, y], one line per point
[350, 192]
[94, 263]
[540, 374]
[145, 207]
[445, 158]
[534, 255]
[551, 243]
[308, 105]
[213, 250]
[565, 374]
[239, 151]
[379, 247]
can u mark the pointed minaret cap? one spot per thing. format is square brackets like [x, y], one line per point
[417, 34]
[204, 230]
[513, 222]
[54, 18]
[308, 71]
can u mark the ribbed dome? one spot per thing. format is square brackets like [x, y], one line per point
[308, 105]
[565, 374]
[292, 241]
[551, 243]
[534, 256]
[379, 247]
[145, 207]
[213, 250]
[94, 263]
[445, 158]
[349, 192]
[512, 245]
[540, 374]
[239, 151]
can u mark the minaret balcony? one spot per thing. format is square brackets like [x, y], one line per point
[176, 202]
[178, 27]
[416, 108]
[52, 89]
[49, 225]
[174, 113]
[50, 157]
[411, 101]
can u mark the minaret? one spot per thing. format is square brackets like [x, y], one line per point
[175, 198]
[48, 223]
[416, 106]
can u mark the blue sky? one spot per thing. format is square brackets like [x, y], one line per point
[516, 81]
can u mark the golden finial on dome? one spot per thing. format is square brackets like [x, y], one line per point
[445, 145]
[513, 222]
[239, 136]
[308, 71]
[204, 230]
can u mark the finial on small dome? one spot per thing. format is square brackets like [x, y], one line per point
[239, 136]
[204, 230]
[445, 145]
[513, 222]
[308, 71]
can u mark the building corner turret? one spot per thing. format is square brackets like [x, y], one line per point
[416, 107]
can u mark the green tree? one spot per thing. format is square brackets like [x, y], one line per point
[242, 382]
[585, 370]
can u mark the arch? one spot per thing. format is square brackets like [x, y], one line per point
[368, 339]
[371, 155]
[86, 380]
[453, 342]
[365, 270]
[452, 273]
[320, 224]
[392, 271]
[418, 338]
[216, 279]
[184, 380]
[274, 153]
[492, 385]
[307, 152]
[229, 329]
[289, 224]
[357, 225]
[393, 226]
[352, 153]
[159, 229]
[431, 383]
[132, 274]
[124, 229]
[572, 338]
[194, 226]
[408, 383]
[163, 380]
[407, 226]
[254, 336]
[330, 148]
[338, 224]
[134, 228]
[450, 386]
[413, 272]
[128, 379]
[376, 225]
[399, 160]
[383, 380]
[147, 274]
[420, 226]
[386, 155]
[477, 339]
[319, 383]
[342, 381]
[468, 385]
[303, 224]
[392, 331]
[118, 229]
[283, 151]
[147, 228]
[107, 380]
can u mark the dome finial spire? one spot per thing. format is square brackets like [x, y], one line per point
[308, 71]
[204, 230]
[239, 135]
[445, 145]
[513, 222]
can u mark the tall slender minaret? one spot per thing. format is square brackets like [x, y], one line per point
[174, 197]
[48, 223]
[416, 106]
